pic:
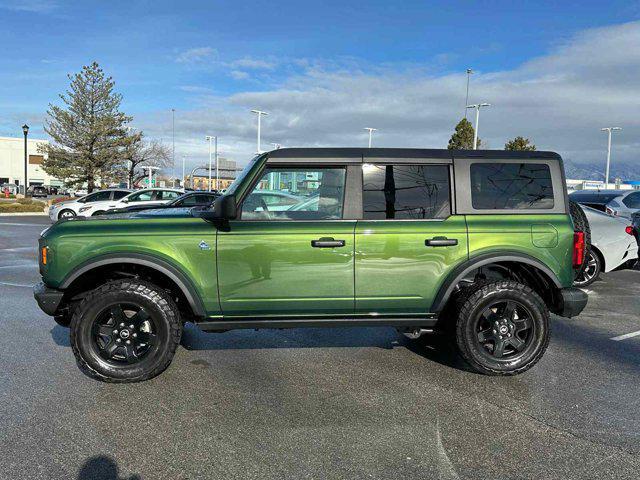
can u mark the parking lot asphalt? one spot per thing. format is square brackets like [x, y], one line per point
[318, 403]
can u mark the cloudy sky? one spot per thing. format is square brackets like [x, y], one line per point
[553, 73]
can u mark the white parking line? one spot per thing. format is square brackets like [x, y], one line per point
[9, 284]
[23, 265]
[18, 249]
[43, 225]
[626, 335]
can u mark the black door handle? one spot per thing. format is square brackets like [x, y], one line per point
[327, 242]
[441, 242]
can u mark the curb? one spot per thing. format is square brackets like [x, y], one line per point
[24, 214]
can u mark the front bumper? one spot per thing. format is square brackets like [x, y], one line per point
[48, 299]
[572, 302]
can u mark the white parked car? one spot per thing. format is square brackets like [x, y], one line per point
[71, 208]
[612, 245]
[147, 196]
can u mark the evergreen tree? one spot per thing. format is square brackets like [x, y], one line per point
[88, 132]
[520, 143]
[462, 138]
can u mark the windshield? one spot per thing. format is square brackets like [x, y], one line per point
[232, 188]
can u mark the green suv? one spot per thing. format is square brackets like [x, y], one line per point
[476, 243]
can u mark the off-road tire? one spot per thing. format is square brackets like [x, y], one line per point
[476, 300]
[580, 280]
[158, 304]
[581, 224]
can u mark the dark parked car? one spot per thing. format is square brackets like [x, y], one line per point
[189, 199]
[38, 191]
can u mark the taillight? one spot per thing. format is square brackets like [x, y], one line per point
[578, 248]
[629, 230]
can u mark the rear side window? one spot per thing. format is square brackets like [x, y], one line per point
[511, 186]
[118, 194]
[632, 200]
[405, 192]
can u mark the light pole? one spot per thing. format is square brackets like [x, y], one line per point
[25, 130]
[608, 130]
[469, 73]
[173, 142]
[210, 138]
[371, 130]
[260, 114]
[183, 185]
[477, 106]
[217, 169]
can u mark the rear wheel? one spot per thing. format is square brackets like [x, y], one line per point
[502, 328]
[591, 271]
[125, 331]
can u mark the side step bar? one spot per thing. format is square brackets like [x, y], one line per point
[301, 322]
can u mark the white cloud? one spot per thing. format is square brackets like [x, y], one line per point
[195, 55]
[253, 64]
[239, 74]
[559, 100]
[32, 6]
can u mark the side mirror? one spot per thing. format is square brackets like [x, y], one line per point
[124, 200]
[224, 208]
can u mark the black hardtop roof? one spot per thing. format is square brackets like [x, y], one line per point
[427, 153]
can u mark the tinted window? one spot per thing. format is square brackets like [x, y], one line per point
[632, 200]
[496, 186]
[405, 191]
[592, 197]
[119, 194]
[192, 200]
[284, 194]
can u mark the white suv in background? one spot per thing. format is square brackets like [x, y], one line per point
[71, 208]
[148, 196]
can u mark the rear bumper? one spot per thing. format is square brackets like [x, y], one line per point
[572, 302]
[48, 299]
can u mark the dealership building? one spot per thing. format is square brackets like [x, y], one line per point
[12, 163]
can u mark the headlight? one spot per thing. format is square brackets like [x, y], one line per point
[84, 209]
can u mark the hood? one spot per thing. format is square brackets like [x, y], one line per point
[141, 215]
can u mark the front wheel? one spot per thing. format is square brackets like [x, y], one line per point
[125, 331]
[502, 328]
[66, 214]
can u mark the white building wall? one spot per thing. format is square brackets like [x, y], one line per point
[12, 162]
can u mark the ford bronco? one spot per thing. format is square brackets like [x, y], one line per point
[476, 243]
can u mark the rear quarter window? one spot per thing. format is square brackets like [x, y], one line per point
[511, 186]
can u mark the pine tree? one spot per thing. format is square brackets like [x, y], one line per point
[88, 132]
[520, 143]
[462, 139]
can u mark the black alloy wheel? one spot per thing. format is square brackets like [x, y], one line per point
[124, 333]
[505, 329]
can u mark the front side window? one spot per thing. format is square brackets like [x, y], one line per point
[166, 195]
[141, 196]
[511, 186]
[405, 192]
[296, 194]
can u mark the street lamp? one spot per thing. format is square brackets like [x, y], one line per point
[371, 130]
[477, 106]
[466, 102]
[214, 138]
[260, 114]
[173, 140]
[25, 130]
[608, 130]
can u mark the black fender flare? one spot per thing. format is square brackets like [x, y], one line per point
[458, 273]
[174, 273]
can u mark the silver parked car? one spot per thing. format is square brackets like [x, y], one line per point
[612, 245]
[619, 203]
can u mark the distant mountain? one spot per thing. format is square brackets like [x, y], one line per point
[595, 170]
